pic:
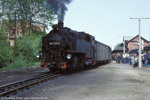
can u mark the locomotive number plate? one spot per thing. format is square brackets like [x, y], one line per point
[54, 43]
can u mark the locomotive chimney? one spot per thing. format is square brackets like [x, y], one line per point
[60, 25]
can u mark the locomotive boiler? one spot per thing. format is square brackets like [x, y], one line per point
[65, 49]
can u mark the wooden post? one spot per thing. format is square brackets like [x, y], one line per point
[15, 33]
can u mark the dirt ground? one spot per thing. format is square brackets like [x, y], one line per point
[20, 74]
[107, 82]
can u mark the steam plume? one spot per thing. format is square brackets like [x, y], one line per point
[59, 7]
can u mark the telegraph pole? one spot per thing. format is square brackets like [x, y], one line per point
[124, 44]
[15, 36]
[139, 19]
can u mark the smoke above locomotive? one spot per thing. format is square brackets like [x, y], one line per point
[59, 7]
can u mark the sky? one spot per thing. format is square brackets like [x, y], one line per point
[109, 20]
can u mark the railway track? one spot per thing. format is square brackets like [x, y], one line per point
[13, 88]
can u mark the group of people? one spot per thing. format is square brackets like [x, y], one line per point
[132, 59]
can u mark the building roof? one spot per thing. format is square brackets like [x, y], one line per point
[131, 40]
[118, 49]
[134, 51]
[127, 38]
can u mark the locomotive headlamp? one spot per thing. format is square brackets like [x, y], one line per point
[38, 55]
[69, 56]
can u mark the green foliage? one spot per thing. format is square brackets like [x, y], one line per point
[25, 16]
[28, 47]
[26, 13]
[6, 51]
[18, 63]
[26, 51]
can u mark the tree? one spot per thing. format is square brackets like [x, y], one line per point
[29, 46]
[35, 12]
[25, 13]
[6, 51]
[22, 15]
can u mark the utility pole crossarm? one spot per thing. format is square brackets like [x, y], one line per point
[140, 18]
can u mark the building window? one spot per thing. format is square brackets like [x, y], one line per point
[134, 46]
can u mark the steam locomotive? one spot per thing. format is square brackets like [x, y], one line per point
[65, 49]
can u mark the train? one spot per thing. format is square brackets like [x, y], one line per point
[67, 49]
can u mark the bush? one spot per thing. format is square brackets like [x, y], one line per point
[6, 52]
[29, 46]
[26, 51]
[18, 63]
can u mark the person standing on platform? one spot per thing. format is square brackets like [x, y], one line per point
[149, 60]
[123, 58]
[135, 61]
[143, 59]
[132, 59]
[118, 58]
[146, 60]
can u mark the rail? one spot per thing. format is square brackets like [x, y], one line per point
[13, 88]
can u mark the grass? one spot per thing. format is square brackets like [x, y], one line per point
[18, 66]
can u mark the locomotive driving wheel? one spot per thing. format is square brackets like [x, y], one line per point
[75, 62]
[78, 64]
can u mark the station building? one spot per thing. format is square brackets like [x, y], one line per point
[132, 46]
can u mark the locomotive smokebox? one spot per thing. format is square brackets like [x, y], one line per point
[60, 25]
